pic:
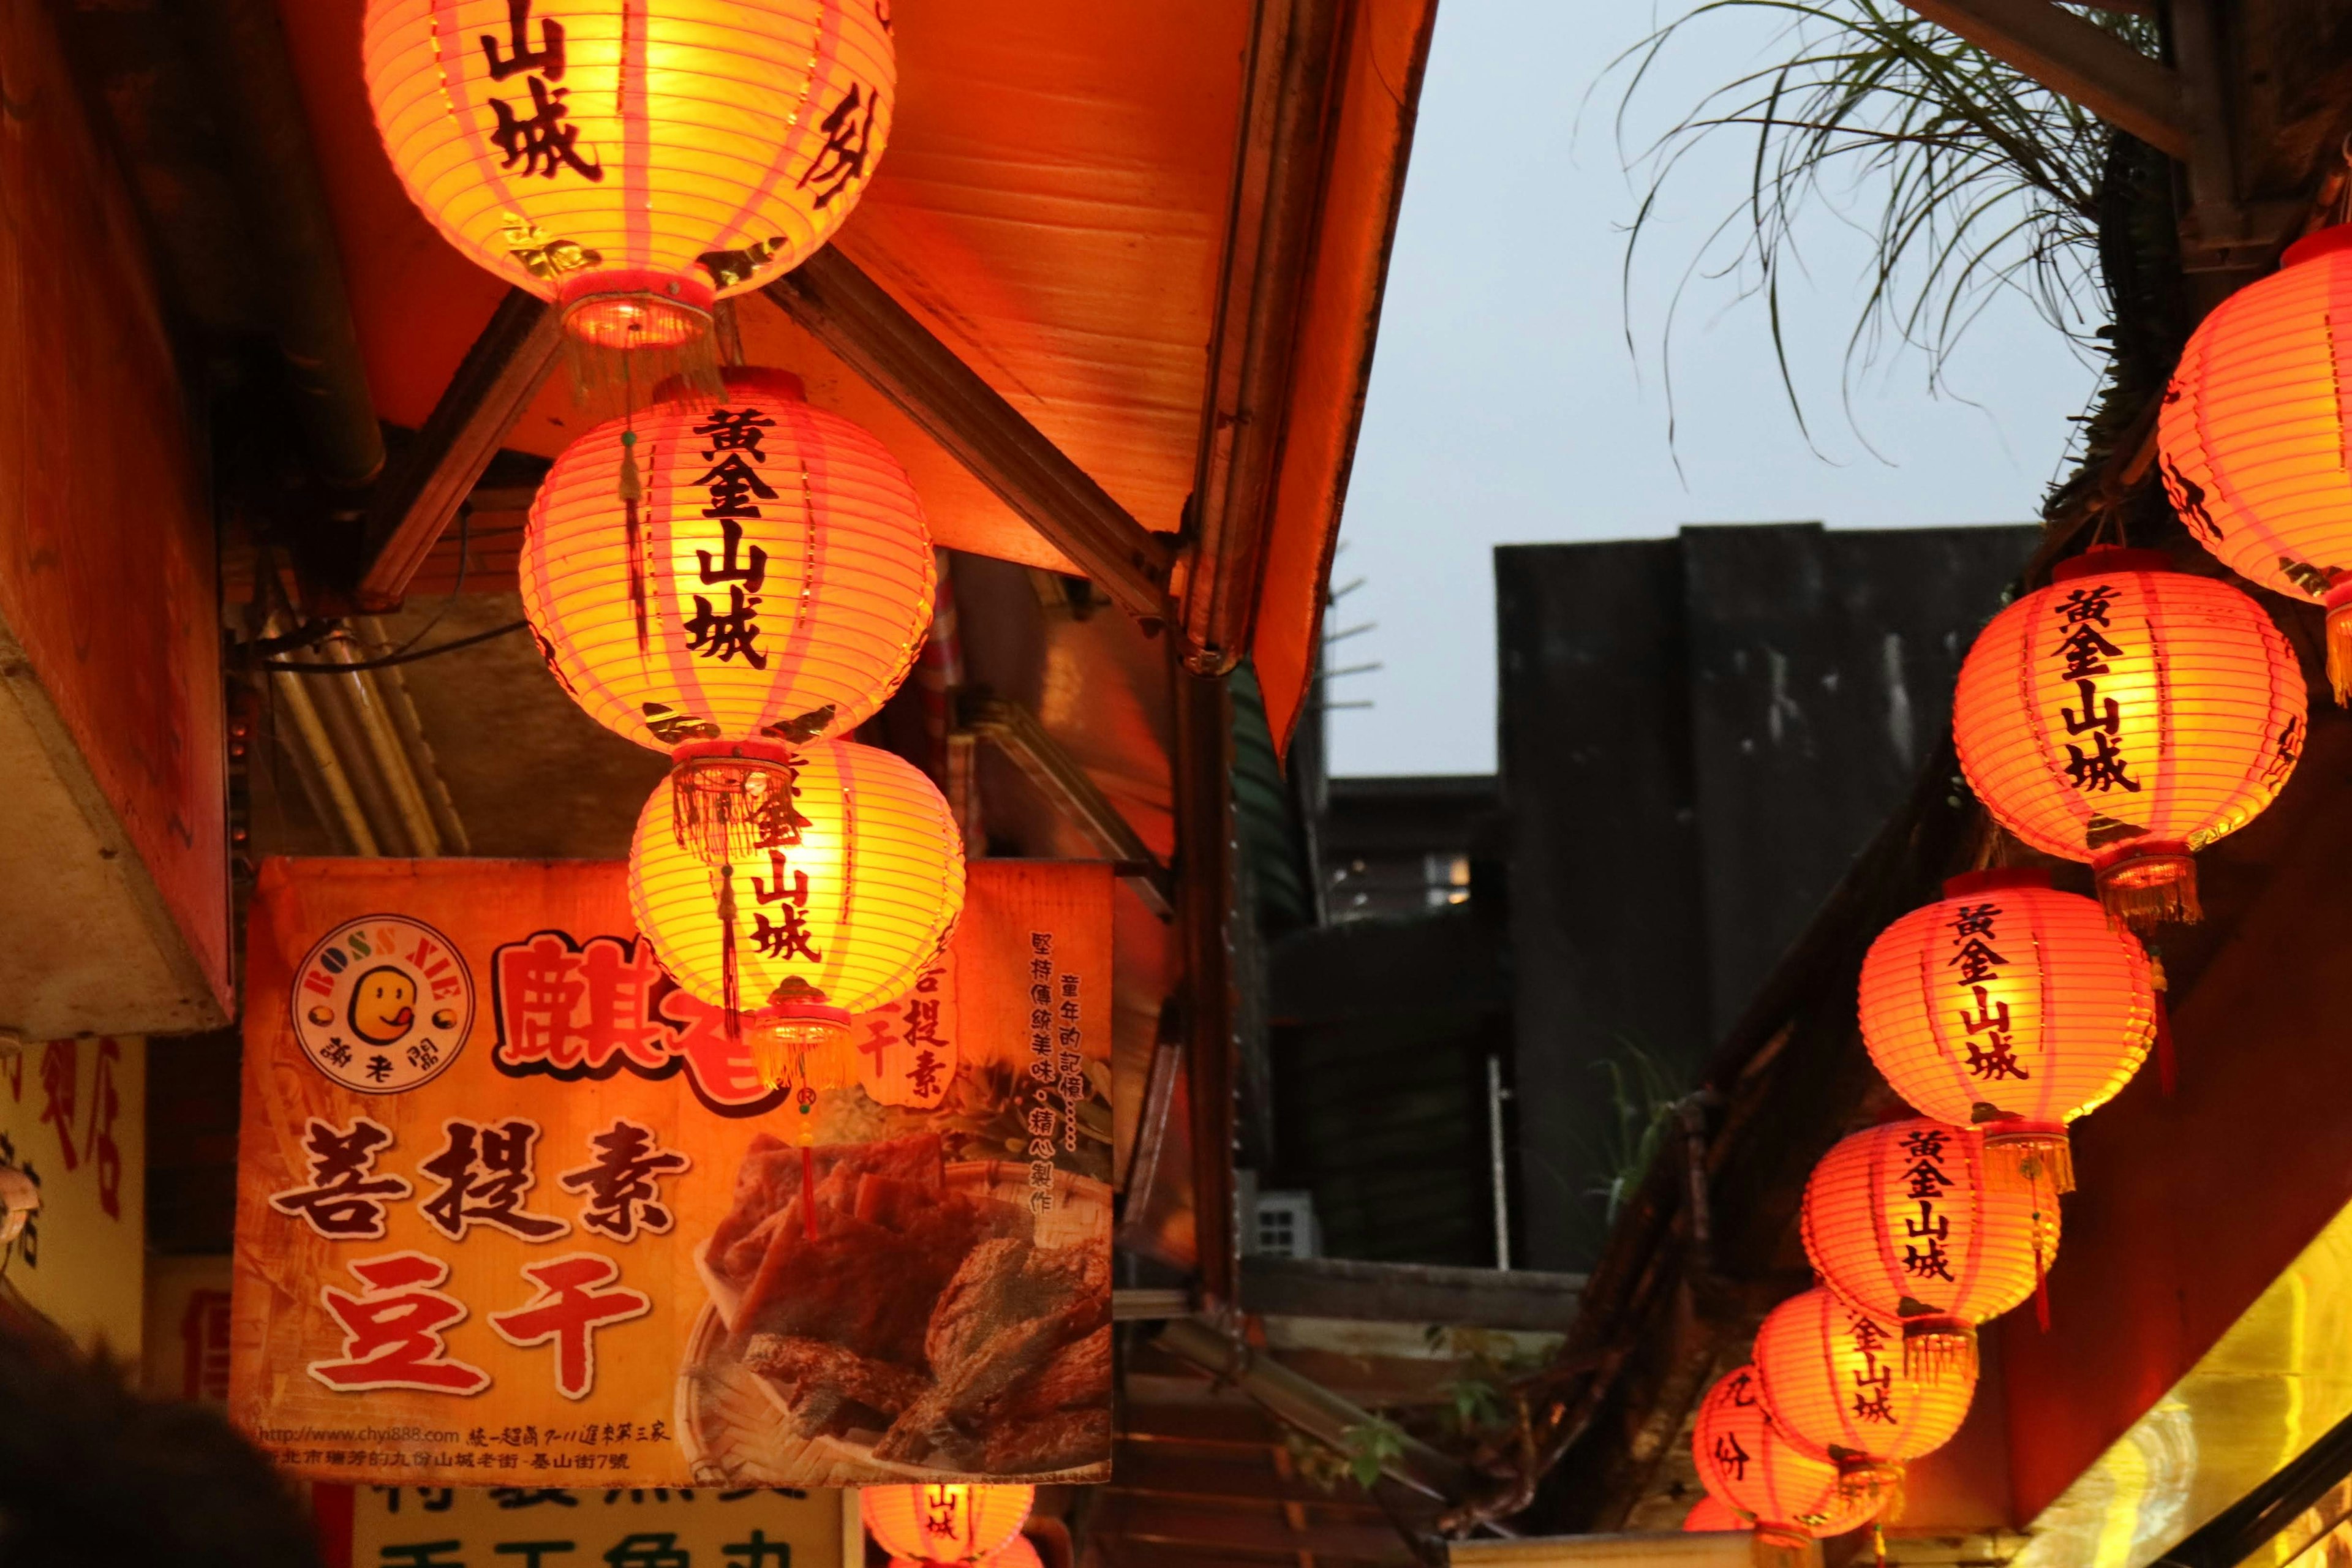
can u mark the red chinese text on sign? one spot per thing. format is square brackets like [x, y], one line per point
[568, 1310]
[393, 1330]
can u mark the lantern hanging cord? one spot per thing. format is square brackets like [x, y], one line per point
[296, 667]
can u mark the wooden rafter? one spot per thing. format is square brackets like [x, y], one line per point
[424, 486]
[857, 320]
[2076, 59]
[1277, 192]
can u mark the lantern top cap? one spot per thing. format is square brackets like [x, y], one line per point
[781, 385]
[2105, 558]
[1993, 881]
[2320, 242]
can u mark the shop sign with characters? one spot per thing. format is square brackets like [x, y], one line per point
[514, 1209]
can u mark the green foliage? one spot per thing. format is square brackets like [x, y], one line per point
[1369, 1447]
[1643, 1092]
[1972, 181]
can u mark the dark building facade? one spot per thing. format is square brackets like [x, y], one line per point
[1697, 735]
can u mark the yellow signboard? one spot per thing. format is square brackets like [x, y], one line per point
[513, 1210]
[73, 1118]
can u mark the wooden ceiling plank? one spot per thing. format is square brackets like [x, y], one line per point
[1277, 189]
[432, 478]
[856, 318]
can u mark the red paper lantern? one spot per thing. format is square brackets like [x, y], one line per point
[949, 1523]
[2254, 435]
[1833, 1376]
[633, 160]
[1745, 1462]
[2125, 716]
[1711, 1513]
[836, 914]
[2009, 1006]
[1902, 1222]
[753, 573]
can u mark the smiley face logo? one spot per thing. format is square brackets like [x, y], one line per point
[382, 1004]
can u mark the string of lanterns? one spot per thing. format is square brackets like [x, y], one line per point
[723, 572]
[2123, 717]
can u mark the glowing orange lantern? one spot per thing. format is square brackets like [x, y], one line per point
[1746, 1462]
[2009, 1006]
[950, 1522]
[717, 582]
[1832, 1376]
[2255, 434]
[837, 912]
[633, 160]
[1016, 1553]
[1712, 1513]
[1900, 1221]
[2125, 716]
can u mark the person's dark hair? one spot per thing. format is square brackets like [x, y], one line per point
[95, 1473]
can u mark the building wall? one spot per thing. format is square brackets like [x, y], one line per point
[1698, 736]
[111, 749]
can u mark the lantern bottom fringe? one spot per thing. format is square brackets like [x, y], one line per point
[788, 1048]
[609, 380]
[2033, 1159]
[1877, 1480]
[2339, 650]
[2150, 889]
[1783, 1546]
[731, 806]
[1939, 1351]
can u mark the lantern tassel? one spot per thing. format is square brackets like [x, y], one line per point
[1878, 1543]
[808, 1189]
[729, 982]
[1939, 1349]
[2041, 1281]
[633, 492]
[2339, 642]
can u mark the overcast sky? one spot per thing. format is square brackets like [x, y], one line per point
[1506, 408]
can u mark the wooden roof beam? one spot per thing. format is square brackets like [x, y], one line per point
[856, 318]
[1270, 238]
[2076, 59]
[424, 486]
[1062, 779]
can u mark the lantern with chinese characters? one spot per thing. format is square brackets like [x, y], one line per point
[2255, 434]
[949, 1523]
[1746, 1462]
[1902, 1222]
[718, 582]
[2125, 716]
[1833, 1377]
[2010, 1007]
[853, 889]
[633, 161]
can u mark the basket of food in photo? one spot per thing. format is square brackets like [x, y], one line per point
[927, 1321]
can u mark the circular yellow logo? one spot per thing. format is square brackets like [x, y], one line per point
[382, 1004]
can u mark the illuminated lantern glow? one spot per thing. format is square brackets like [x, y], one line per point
[2126, 716]
[2255, 430]
[1833, 1377]
[773, 581]
[1712, 1513]
[633, 161]
[838, 914]
[949, 1522]
[1748, 1464]
[1902, 1222]
[1017, 1554]
[2009, 1006]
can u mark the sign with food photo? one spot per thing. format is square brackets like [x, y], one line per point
[514, 1209]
